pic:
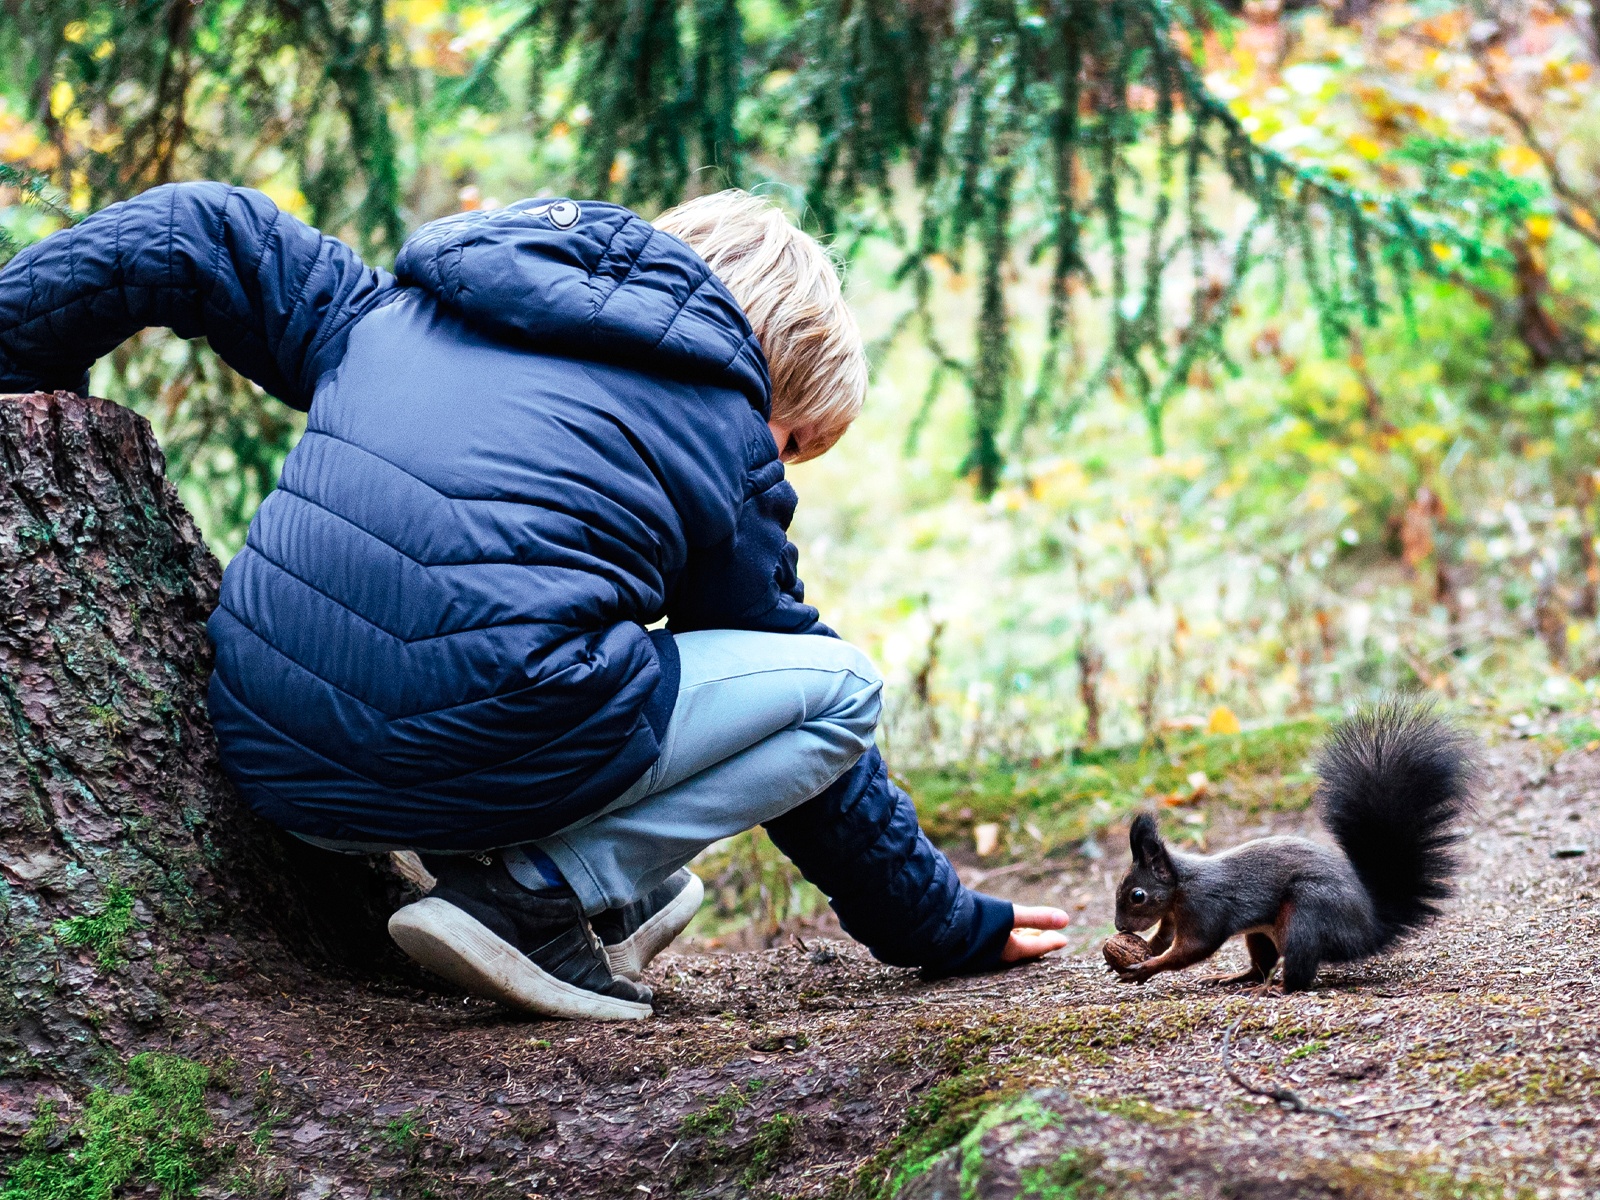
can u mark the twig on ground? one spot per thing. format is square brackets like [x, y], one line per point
[1280, 1095]
[1292, 1101]
[818, 1005]
[1395, 1112]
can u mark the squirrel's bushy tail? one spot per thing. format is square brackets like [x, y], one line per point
[1394, 780]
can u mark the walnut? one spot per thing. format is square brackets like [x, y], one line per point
[1124, 950]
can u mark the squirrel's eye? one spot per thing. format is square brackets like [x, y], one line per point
[1138, 896]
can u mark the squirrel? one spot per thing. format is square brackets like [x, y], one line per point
[1393, 783]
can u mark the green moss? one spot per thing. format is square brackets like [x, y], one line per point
[965, 1123]
[1024, 1111]
[718, 1117]
[106, 931]
[1090, 1033]
[939, 1119]
[1143, 1111]
[1400, 1177]
[1033, 1051]
[155, 1134]
[107, 717]
[402, 1133]
[1065, 1179]
[1306, 1051]
[773, 1137]
[1526, 1079]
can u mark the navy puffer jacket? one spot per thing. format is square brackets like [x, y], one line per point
[545, 433]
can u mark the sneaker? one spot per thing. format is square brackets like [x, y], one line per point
[533, 951]
[634, 935]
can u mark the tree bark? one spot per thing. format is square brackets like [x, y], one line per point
[125, 859]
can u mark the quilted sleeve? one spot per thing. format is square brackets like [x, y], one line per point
[750, 580]
[892, 889]
[272, 296]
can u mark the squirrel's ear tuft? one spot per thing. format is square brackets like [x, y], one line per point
[1148, 848]
[1143, 838]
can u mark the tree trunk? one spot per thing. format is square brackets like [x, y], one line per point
[125, 859]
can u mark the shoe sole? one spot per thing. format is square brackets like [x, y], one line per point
[455, 945]
[629, 958]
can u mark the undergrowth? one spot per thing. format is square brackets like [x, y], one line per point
[154, 1134]
[1070, 798]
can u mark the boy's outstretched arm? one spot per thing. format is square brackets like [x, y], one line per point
[893, 891]
[273, 296]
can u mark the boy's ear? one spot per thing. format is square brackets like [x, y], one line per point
[1149, 851]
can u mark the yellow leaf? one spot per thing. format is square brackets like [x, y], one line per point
[1458, 169]
[1584, 219]
[1540, 227]
[1519, 160]
[61, 98]
[1365, 146]
[286, 197]
[76, 31]
[1222, 721]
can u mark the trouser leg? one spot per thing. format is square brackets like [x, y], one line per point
[763, 722]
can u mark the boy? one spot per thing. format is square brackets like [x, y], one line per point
[553, 426]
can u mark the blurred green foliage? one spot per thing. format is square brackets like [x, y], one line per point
[1045, 807]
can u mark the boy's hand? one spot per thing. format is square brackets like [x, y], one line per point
[1031, 933]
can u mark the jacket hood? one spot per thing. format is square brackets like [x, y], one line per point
[586, 279]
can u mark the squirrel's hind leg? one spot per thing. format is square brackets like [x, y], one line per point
[1263, 958]
[1301, 943]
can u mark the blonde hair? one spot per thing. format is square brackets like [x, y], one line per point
[788, 286]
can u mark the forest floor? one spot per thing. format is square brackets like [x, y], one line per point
[1467, 1064]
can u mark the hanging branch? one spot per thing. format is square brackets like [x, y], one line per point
[1023, 123]
[33, 190]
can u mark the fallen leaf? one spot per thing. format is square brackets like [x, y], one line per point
[1222, 720]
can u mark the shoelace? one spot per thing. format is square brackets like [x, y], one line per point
[594, 941]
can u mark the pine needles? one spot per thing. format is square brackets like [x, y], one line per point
[1089, 113]
[1077, 132]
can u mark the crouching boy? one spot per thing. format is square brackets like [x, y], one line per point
[553, 426]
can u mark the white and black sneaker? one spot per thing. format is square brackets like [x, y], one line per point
[634, 935]
[482, 930]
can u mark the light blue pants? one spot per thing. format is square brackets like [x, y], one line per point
[763, 722]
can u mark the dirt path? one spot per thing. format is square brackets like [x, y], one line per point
[817, 1073]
